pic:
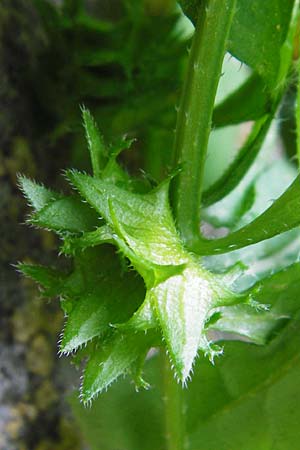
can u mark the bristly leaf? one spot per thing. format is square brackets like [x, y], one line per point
[92, 314]
[50, 279]
[37, 195]
[66, 214]
[101, 235]
[183, 304]
[105, 296]
[144, 221]
[97, 148]
[279, 292]
[181, 294]
[113, 359]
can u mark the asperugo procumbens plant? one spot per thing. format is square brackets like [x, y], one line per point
[143, 275]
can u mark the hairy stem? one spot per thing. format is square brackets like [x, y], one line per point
[195, 112]
[174, 408]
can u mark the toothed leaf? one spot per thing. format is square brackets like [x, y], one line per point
[98, 151]
[279, 291]
[244, 321]
[37, 195]
[108, 296]
[50, 279]
[66, 214]
[89, 239]
[144, 221]
[143, 319]
[93, 313]
[112, 359]
[183, 304]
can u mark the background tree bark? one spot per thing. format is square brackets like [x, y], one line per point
[33, 413]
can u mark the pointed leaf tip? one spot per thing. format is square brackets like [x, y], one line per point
[182, 304]
[97, 148]
[114, 358]
[37, 195]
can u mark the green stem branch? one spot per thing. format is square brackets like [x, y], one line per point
[195, 112]
[174, 408]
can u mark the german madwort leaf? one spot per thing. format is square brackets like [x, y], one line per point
[89, 239]
[181, 294]
[283, 215]
[241, 164]
[37, 195]
[183, 304]
[297, 112]
[107, 296]
[66, 214]
[94, 312]
[144, 221]
[250, 101]
[279, 292]
[89, 317]
[97, 148]
[245, 321]
[138, 423]
[144, 318]
[250, 32]
[50, 279]
[113, 359]
[257, 381]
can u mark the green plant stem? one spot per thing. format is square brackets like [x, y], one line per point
[298, 112]
[174, 408]
[195, 112]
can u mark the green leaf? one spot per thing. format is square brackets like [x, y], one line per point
[254, 387]
[37, 195]
[66, 214]
[183, 304]
[144, 221]
[106, 296]
[279, 291]
[143, 319]
[96, 145]
[252, 31]
[243, 321]
[297, 111]
[266, 179]
[241, 164]
[113, 359]
[249, 102]
[229, 211]
[92, 314]
[90, 23]
[50, 279]
[122, 419]
[89, 239]
[283, 215]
